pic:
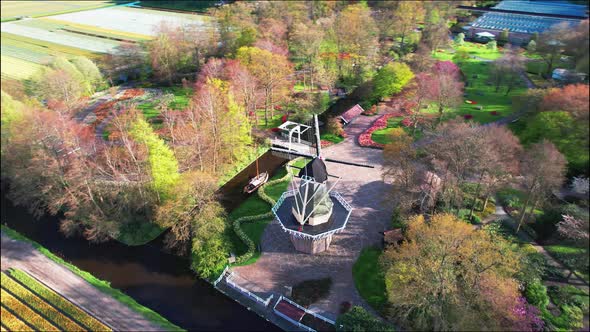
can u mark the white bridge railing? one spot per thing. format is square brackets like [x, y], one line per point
[307, 311]
[221, 276]
[247, 292]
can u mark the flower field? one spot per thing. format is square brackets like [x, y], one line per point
[17, 68]
[28, 304]
[13, 9]
[134, 20]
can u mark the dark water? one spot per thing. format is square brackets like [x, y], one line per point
[154, 278]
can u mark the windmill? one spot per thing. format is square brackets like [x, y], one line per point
[312, 211]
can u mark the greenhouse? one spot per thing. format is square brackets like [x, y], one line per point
[544, 7]
[520, 23]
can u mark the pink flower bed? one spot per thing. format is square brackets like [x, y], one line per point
[325, 143]
[365, 138]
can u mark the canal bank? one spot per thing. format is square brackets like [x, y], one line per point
[158, 280]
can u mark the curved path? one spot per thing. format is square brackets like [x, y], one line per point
[281, 266]
[23, 256]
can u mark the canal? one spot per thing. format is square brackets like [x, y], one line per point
[153, 277]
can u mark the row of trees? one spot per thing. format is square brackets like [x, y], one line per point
[460, 153]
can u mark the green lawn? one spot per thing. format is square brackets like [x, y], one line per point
[479, 50]
[479, 90]
[382, 135]
[369, 278]
[273, 122]
[571, 256]
[331, 138]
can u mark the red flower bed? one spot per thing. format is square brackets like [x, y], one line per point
[406, 122]
[494, 112]
[325, 143]
[132, 93]
[275, 130]
[284, 118]
[365, 138]
[468, 116]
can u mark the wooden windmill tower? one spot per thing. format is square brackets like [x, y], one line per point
[312, 211]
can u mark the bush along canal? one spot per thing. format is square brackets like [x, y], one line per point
[156, 279]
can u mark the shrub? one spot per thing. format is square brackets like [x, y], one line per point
[460, 38]
[334, 127]
[492, 45]
[568, 295]
[468, 116]
[536, 294]
[358, 320]
[311, 291]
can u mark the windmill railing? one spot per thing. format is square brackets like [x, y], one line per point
[293, 232]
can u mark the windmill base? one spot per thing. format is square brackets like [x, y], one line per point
[310, 246]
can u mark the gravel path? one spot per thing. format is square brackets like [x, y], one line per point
[281, 266]
[23, 256]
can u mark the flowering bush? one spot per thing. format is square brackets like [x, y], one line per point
[527, 317]
[468, 116]
[325, 143]
[494, 112]
[132, 93]
[284, 118]
[371, 111]
[406, 122]
[365, 138]
[278, 107]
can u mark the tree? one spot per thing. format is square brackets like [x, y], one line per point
[507, 69]
[448, 276]
[566, 132]
[577, 45]
[532, 46]
[391, 79]
[436, 31]
[504, 35]
[551, 45]
[571, 98]
[209, 247]
[422, 60]
[163, 163]
[403, 171]
[404, 20]
[90, 73]
[236, 26]
[492, 45]
[460, 39]
[356, 38]
[305, 42]
[359, 320]
[445, 87]
[543, 168]
[272, 73]
[498, 161]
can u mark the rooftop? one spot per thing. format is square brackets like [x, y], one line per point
[544, 7]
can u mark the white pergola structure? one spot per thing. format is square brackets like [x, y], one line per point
[290, 128]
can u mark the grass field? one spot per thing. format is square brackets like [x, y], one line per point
[574, 257]
[382, 135]
[369, 278]
[482, 92]
[14, 9]
[16, 68]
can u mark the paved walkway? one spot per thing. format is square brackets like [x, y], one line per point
[23, 256]
[280, 265]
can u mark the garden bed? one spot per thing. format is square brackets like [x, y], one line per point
[366, 138]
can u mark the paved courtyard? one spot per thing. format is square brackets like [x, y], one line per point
[280, 265]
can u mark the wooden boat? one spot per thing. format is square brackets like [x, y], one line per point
[256, 182]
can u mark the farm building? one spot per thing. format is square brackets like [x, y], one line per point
[523, 18]
[352, 113]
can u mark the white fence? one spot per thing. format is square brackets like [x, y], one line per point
[221, 276]
[247, 292]
[308, 312]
